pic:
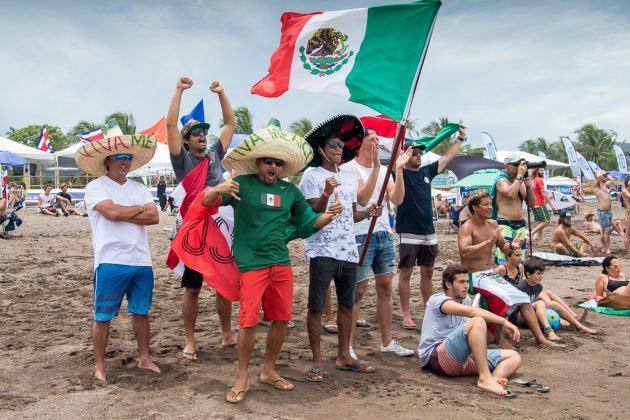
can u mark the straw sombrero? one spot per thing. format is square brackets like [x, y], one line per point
[91, 156]
[270, 142]
[349, 130]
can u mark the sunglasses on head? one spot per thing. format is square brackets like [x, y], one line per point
[121, 156]
[198, 132]
[268, 161]
[333, 144]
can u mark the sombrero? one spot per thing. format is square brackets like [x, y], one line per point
[349, 130]
[91, 156]
[270, 142]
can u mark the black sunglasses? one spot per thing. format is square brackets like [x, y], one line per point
[268, 161]
[333, 144]
[417, 151]
[198, 132]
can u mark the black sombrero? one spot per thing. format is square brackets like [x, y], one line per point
[349, 130]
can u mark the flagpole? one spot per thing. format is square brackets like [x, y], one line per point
[400, 136]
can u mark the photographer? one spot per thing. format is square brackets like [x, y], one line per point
[508, 192]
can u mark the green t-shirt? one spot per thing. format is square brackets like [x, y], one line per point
[262, 218]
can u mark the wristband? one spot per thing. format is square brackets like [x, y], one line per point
[325, 194]
[144, 209]
[367, 214]
[461, 138]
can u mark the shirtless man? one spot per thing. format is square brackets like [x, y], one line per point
[561, 238]
[508, 193]
[604, 213]
[475, 240]
[625, 193]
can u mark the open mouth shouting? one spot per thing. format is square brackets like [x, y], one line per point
[270, 169]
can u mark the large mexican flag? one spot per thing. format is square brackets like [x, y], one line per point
[369, 56]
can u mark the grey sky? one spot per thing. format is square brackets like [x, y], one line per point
[517, 69]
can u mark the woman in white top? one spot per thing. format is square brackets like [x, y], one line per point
[46, 202]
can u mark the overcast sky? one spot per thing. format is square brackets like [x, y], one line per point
[517, 69]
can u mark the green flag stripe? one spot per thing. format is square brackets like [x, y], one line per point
[386, 63]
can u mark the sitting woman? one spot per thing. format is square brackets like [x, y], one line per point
[512, 270]
[46, 202]
[611, 280]
[590, 226]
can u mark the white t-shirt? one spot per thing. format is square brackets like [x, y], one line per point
[382, 224]
[118, 242]
[335, 240]
[47, 200]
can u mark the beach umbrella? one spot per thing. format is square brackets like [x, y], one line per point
[480, 179]
[617, 175]
[11, 159]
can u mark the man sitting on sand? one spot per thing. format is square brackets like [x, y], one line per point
[475, 240]
[561, 238]
[119, 209]
[64, 202]
[453, 339]
[441, 205]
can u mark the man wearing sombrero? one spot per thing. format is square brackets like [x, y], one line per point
[263, 207]
[198, 165]
[381, 253]
[332, 252]
[119, 209]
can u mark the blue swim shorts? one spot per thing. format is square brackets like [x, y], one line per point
[113, 281]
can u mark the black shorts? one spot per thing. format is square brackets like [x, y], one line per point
[191, 278]
[321, 271]
[416, 254]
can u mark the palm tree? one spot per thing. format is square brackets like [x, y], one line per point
[126, 121]
[81, 127]
[596, 145]
[243, 123]
[301, 126]
[412, 129]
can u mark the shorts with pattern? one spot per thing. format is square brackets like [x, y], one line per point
[605, 218]
[510, 229]
[113, 281]
[541, 214]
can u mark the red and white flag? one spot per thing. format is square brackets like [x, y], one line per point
[90, 136]
[385, 129]
[43, 143]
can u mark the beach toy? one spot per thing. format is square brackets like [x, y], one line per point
[554, 319]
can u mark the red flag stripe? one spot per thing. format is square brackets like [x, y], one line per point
[384, 126]
[277, 81]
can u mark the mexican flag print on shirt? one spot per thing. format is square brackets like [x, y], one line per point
[369, 55]
[272, 200]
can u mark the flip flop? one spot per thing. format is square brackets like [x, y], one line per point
[236, 395]
[411, 326]
[315, 374]
[533, 384]
[510, 394]
[192, 356]
[280, 383]
[363, 324]
[357, 366]
[330, 328]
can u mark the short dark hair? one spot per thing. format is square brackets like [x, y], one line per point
[534, 264]
[449, 273]
[474, 199]
[48, 185]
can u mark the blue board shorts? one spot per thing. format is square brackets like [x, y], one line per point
[380, 256]
[605, 218]
[113, 281]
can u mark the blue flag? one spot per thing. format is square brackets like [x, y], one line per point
[196, 114]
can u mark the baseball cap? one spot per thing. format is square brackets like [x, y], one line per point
[564, 214]
[191, 125]
[513, 159]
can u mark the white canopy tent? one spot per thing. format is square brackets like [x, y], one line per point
[551, 164]
[31, 154]
[560, 180]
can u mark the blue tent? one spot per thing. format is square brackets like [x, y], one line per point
[11, 159]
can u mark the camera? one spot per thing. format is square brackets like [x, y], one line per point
[535, 165]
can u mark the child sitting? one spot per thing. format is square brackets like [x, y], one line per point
[541, 300]
[512, 270]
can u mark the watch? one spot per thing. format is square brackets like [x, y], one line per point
[520, 178]
[367, 214]
[463, 139]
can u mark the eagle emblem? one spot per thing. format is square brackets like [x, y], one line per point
[326, 52]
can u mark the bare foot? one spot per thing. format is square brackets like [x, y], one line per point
[229, 341]
[553, 336]
[564, 323]
[581, 317]
[100, 375]
[552, 344]
[588, 330]
[502, 381]
[149, 365]
[491, 386]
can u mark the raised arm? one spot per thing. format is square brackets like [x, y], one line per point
[227, 131]
[174, 137]
[366, 189]
[451, 152]
[396, 190]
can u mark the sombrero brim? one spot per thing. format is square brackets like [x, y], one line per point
[348, 128]
[269, 142]
[91, 156]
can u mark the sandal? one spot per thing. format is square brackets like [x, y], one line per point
[192, 356]
[280, 383]
[330, 328]
[533, 384]
[315, 374]
[408, 326]
[357, 366]
[363, 324]
[236, 395]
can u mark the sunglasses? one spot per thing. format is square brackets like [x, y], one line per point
[268, 161]
[333, 144]
[122, 156]
[416, 151]
[198, 132]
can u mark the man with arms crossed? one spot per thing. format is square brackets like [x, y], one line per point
[188, 150]
[418, 241]
[475, 240]
[453, 340]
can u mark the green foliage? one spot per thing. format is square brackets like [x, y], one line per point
[467, 149]
[81, 127]
[301, 126]
[596, 145]
[243, 123]
[126, 122]
[433, 129]
[29, 136]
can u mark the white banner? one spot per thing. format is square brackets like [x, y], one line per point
[621, 159]
[491, 149]
[571, 154]
[594, 166]
[586, 170]
[544, 156]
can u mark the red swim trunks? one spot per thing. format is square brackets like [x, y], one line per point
[273, 286]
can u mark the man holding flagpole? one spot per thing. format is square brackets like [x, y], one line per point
[194, 163]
